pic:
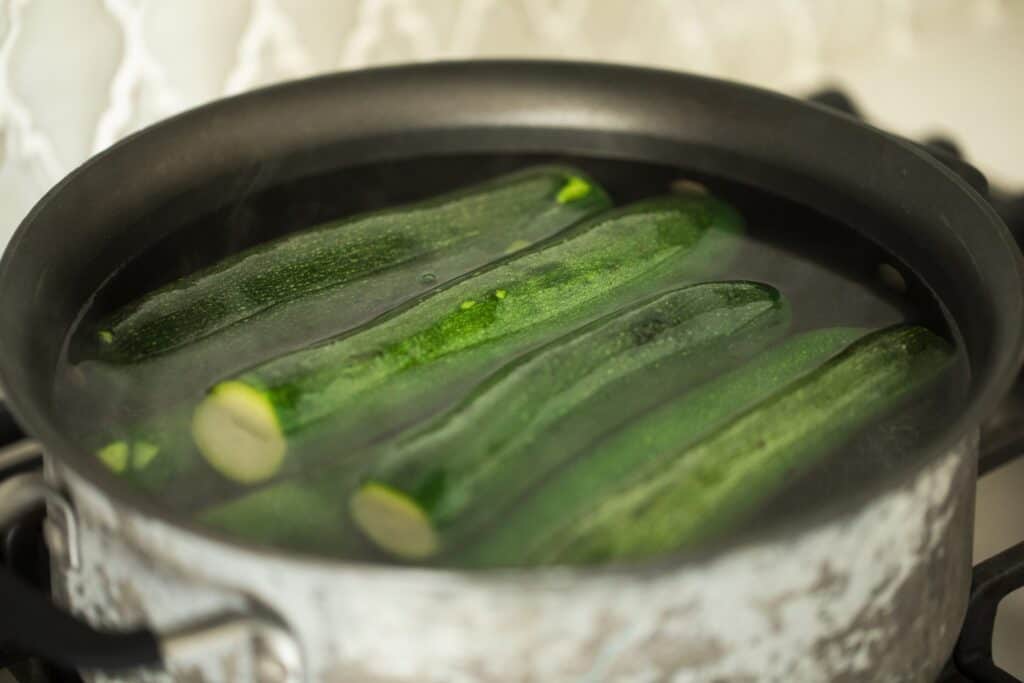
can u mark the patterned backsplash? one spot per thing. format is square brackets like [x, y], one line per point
[76, 75]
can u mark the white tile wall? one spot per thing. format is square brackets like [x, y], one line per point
[75, 75]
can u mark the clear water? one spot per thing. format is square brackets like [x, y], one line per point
[829, 274]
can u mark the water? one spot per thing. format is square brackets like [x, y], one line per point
[829, 275]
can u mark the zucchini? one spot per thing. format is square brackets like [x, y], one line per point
[157, 455]
[129, 455]
[288, 515]
[449, 477]
[524, 532]
[293, 288]
[687, 495]
[244, 426]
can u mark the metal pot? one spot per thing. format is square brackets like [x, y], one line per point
[871, 589]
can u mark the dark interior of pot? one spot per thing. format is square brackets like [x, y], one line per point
[851, 244]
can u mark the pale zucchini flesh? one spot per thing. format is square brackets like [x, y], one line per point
[242, 421]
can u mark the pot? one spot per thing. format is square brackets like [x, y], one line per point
[872, 588]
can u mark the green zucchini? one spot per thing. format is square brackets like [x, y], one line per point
[361, 266]
[685, 495]
[245, 424]
[290, 515]
[452, 475]
[523, 532]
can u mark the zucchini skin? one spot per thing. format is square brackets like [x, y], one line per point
[361, 265]
[288, 515]
[593, 268]
[462, 468]
[686, 496]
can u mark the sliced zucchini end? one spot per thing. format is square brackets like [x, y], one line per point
[394, 521]
[574, 188]
[114, 455]
[236, 429]
[143, 453]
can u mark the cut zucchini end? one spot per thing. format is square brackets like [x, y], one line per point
[394, 521]
[114, 455]
[143, 454]
[237, 431]
[574, 188]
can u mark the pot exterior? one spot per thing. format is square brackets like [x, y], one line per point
[876, 595]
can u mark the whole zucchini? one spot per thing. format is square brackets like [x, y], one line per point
[686, 495]
[454, 474]
[361, 266]
[524, 533]
[244, 425]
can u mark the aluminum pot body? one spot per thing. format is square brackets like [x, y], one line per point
[877, 594]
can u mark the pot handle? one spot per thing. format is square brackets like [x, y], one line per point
[34, 626]
[943, 150]
[1002, 435]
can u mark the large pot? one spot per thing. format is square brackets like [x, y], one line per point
[873, 588]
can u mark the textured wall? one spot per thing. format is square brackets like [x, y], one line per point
[75, 75]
